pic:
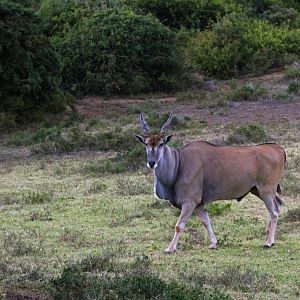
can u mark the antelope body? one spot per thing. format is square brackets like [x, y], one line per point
[200, 172]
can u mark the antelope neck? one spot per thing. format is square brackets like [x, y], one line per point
[168, 167]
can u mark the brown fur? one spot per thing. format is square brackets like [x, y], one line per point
[154, 139]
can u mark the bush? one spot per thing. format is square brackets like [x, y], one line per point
[60, 16]
[29, 137]
[292, 71]
[279, 15]
[284, 96]
[118, 52]
[29, 66]
[294, 87]
[289, 94]
[248, 92]
[7, 122]
[252, 132]
[197, 14]
[106, 278]
[238, 45]
[259, 7]
[247, 280]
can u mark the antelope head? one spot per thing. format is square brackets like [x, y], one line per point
[154, 143]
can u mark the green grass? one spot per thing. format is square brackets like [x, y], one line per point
[41, 239]
[88, 224]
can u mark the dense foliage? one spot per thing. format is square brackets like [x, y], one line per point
[198, 14]
[238, 45]
[29, 66]
[118, 52]
[120, 47]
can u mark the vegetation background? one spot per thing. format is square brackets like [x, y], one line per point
[77, 215]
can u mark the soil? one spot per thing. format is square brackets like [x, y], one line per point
[95, 107]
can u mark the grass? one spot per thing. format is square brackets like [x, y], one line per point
[105, 278]
[121, 211]
[291, 93]
[84, 225]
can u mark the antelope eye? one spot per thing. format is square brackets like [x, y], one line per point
[160, 145]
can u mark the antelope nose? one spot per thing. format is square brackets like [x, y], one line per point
[151, 164]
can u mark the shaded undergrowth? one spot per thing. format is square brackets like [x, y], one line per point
[105, 277]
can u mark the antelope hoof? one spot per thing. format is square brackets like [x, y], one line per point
[170, 250]
[213, 246]
[268, 246]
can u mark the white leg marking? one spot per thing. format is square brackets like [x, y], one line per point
[274, 213]
[186, 212]
[206, 221]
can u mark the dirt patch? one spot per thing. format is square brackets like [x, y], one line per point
[11, 154]
[92, 106]
[266, 111]
[240, 113]
[20, 295]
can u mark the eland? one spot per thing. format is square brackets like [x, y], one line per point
[200, 172]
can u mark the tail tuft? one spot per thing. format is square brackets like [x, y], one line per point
[279, 189]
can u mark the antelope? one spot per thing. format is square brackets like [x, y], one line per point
[200, 172]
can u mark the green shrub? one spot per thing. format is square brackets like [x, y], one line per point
[244, 280]
[284, 96]
[7, 122]
[116, 52]
[248, 92]
[294, 87]
[279, 15]
[252, 132]
[36, 197]
[60, 16]
[29, 74]
[30, 137]
[21, 243]
[238, 45]
[292, 71]
[106, 278]
[97, 187]
[288, 95]
[260, 7]
[136, 155]
[197, 14]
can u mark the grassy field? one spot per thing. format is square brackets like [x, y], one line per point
[77, 220]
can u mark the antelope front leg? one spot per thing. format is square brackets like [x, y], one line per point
[186, 212]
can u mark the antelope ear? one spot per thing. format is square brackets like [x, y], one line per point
[140, 138]
[167, 138]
